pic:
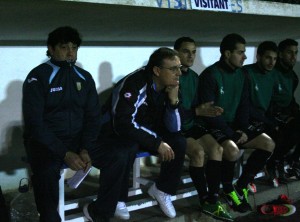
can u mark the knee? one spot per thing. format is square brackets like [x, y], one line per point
[217, 152]
[231, 153]
[196, 153]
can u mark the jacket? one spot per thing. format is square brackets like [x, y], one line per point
[60, 108]
[137, 112]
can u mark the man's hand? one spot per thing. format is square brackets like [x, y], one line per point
[243, 138]
[86, 159]
[77, 162]
[208, 110]
[172, 92]
[165, 151]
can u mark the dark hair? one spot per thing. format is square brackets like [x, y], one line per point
[266, 46]
[229, 42]
[63, 35]
[285, 43]
[181, 40]
[157, 57]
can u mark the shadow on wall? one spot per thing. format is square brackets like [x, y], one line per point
[11, 149]
[297, 92]
[105, 82]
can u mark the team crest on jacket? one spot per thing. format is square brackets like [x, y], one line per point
[127, 95]
[78, 85]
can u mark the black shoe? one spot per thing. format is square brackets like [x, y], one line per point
[294, 170]
[272, 175]
[281, 174]
[92, 216]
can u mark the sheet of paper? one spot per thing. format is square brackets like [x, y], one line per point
[78, 177]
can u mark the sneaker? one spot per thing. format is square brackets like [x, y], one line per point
[91, 216]
[281, 174]
[278, 210]
[282, 199]
[243, 195]
[252, 187]
[164, 201]
[122, 211]
[235, 202]
[294, 170]
[272, 175]
[217, 211]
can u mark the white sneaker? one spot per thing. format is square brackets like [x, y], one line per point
[122, 211]
[164, 201]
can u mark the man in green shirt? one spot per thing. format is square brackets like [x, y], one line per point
[262, 83]
[199, 141]
[286, 110]
[226, 85]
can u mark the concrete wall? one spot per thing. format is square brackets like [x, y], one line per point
[106, 64]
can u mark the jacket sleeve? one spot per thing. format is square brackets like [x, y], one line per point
[208, 92]
[126, 100]
[92, 113]
[34, 92]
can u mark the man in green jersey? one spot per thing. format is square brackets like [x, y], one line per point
[199, 141]
[262, 83]
[285, 109]
[226, 85]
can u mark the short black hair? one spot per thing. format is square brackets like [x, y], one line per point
[229, 42]
[286, 43]
[181, 40]
[157, 57]
[63, 34]
[266, 46]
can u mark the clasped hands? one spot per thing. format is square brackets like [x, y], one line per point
[81, 161]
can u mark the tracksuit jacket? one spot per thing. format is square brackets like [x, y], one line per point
[137, 112]
[60, 107]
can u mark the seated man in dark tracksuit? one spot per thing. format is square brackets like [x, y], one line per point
[143, 112]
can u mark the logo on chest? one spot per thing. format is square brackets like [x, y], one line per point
[56, 89]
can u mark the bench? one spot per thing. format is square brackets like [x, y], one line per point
[139, 203]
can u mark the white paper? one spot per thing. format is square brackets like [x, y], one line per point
[78, 177]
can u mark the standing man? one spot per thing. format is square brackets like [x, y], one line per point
[62, 122]
[226, 85]
[143, 111]
[199, 141]
[285, 109]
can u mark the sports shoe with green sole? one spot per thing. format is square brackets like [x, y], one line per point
[217, 211]
[235, 202]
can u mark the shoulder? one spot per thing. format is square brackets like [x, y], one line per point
[83, 72]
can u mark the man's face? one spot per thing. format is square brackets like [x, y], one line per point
[168, 73]
[64, 52]
[235, 59]
[187, 54]
[267, 60]
[288, 57]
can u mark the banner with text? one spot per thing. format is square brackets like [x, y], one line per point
[213, 5]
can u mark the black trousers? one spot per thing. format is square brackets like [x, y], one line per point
[114, 160]
[170, 171]
[287, 137]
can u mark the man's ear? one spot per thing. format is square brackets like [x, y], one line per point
[156, 71]
[50, 50]
[227, 53]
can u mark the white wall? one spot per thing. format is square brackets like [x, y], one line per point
[106, 64]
